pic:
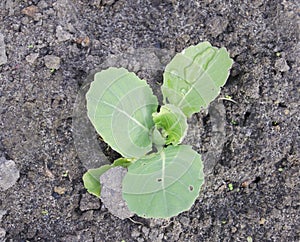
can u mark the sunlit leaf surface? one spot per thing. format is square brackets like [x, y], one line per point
[120, 106]
[164, 184]
[194, 77]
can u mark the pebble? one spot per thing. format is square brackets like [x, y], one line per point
[3, 57]
[281, 65]
[218, 25]
[108, 2]
[9, 174]
[233, 229]
[10, 5]
[52, 62]
[2, 213]
[84, 41]
[2, 233]
[30, 11]
[16, 27]
[60, 190]
[62, 35]
[145, 230]
[135, 233]
[111, 192]
[42, 4]
[89, 202]
[31, 58]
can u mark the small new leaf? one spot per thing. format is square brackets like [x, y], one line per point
[172, 122]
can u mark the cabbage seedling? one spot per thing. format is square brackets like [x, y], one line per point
[164, 177]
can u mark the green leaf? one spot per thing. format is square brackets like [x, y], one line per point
[120, 106]
[194, 77]
[172, 123]
[124, 162]
[157, 138]
[91, 179]
[164, 184]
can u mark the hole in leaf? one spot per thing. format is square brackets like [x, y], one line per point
[191, 188]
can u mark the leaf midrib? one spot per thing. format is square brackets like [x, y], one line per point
[126, 114]
[163, 170]
[209, 64]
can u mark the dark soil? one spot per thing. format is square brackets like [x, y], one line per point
[260, 155]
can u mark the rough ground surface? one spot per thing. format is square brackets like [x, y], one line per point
[50, 47]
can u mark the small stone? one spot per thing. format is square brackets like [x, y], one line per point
[281, 65]
[62, 35]
[108, 2]
[38, 17]
[24, 20]
[2, 233]
[185, 38]
[89, 202]
[3, 57]
[9, 174]
[84, 41]
[16, 27]
[155, 235]
[30, 11]
[145, 230]
[42, 4]
[217, 25]
[60, 190]
[184, 220]
[233, 229]
[262, 221]
[11, 6]
[96, 3]
[135, 234]
[88, 215]
[2, 213]
[31, 58]
[111, 192]
[52, 62]
[70, 28]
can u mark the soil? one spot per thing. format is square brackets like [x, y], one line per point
[251, 192]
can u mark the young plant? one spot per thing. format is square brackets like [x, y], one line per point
[164, 177]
